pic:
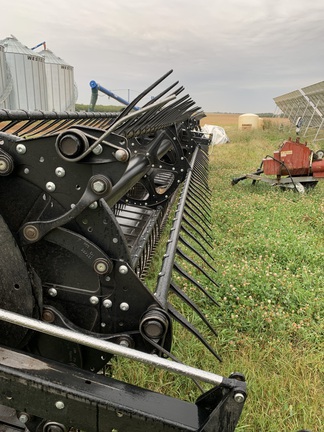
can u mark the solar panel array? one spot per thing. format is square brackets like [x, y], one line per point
[305, 110]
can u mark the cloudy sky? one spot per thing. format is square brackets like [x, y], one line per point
[230, 55]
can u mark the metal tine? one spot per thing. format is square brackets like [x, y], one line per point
[201, 205]
[177, 104]
[186, 275]
[189, 260]
[196, 230]
[141, 95]
[187, 325]
[198, 224]
[187, 114]
[201, 174]
[183, 296]
[199, 197]
[192, 209]
[185, 230]
[156, 118]
[198, 190]
[165, 115]
[151, 114]
[189, 246]
[161, 94]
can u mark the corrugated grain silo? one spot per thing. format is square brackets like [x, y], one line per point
[27, 68]
[5, 80]
[60, 82]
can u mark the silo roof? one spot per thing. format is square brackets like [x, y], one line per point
[50, 57]
[12, 45]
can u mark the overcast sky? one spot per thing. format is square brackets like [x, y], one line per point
[230, 55]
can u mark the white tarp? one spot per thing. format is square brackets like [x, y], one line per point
[218, 134]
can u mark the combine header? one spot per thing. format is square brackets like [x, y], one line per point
[292, 166]
[84, 198]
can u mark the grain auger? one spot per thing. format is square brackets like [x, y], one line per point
[84, 199]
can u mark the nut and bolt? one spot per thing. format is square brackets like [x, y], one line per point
[124, 306]
[239, 397]
[21, 149]
[23, 417]
[98, 186]
[50, 186]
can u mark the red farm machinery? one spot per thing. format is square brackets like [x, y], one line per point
[293, 166]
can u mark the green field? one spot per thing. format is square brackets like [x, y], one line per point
[269, 254]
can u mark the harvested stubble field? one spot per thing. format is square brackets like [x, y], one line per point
[269, 254]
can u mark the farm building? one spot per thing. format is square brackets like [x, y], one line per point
[34, 81]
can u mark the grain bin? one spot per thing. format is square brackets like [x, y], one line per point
[60, 83]
[248, 121]
[5, 79]
[27, 70]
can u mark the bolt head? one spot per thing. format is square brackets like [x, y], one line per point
[21, 149]
[52, 292]
[123, 269]
[121, 155]
[107, 303]
[124, 306]
[60, 172]
[239, 397]
[50, 186]
[97, 150]
[94, 300]
[93, 206]
[98, 186]
[23, 418]
[59, 405]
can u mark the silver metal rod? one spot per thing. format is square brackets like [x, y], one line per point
[109, 347]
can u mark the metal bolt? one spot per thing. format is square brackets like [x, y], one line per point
[123, 269]
[98, 186]
[119, 414]
[107, 303]
[3, 165]
[101, 266]
[97, 150]
[52, 292]
[60, 172]
[124, 306]
[21, 149]
[121, 155]
[23, 417]
[94, 300]
[50, 186]
[48, 316]
[93, 206]
[239, 397]
[31, 232]
[115, 240]
[26, 171]
[59, 405]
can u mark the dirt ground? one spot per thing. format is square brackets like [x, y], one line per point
[220, 119]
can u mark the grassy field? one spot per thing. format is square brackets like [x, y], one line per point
[269, 254]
